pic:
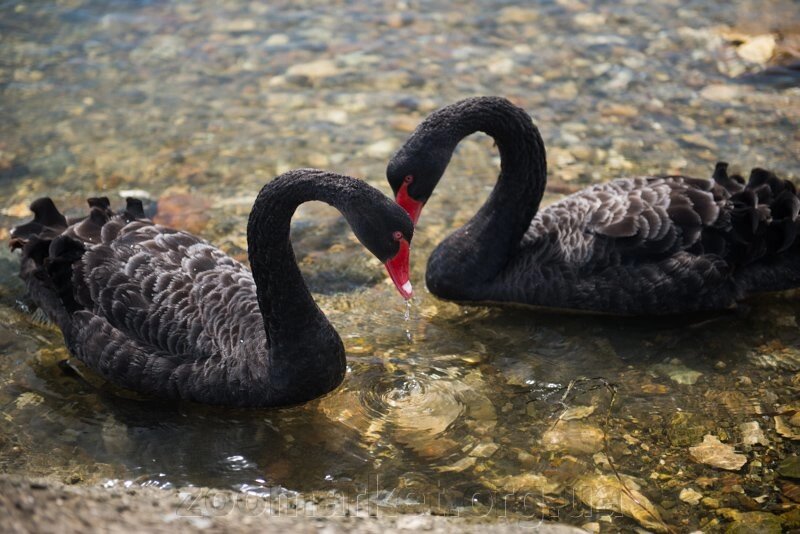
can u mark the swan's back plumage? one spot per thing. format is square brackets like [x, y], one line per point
[650, 218]
[653, 244]
[153, 309]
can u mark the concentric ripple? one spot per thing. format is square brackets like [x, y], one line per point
[434, 414]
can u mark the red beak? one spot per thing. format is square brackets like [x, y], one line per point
[413, 207]
[397, 268]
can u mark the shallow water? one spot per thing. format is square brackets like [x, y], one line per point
[452, 409]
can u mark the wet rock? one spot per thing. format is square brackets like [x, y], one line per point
[619, 110]
[458, 466]
[183, 211]
[589, 20]
[73, 478]
[18, 210]
[776, 355]
[758, 49]
[314, 70]
[277, 39]
[517, 15]
[382, 149]
[690, 496]
[573, 437]
[736, 402]
[517, 373]
[414, 522]
[720, 92]
[564, 91]
[790, 490]
[685, 428]
[755, 523]
[788, 425]
[791, 520]
[346, 407]
[752, 434]
[577, 412]
[716, 454]
[607, 492]
[527, 482]
[654, 389]
[601, 460]
[501, 65]
[697, 140]
[790, 467]
[28, 399]
[677, 372]
[484, 450]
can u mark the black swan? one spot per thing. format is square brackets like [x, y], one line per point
[647, 245]
[165, 313]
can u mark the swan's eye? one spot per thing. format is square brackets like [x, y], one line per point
[408, 179]
[397, 236]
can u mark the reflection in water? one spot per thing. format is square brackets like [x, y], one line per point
[446, 406]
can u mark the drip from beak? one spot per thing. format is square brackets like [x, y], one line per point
[397, 268]
[413, 207]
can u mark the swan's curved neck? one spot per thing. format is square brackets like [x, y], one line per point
[478, 251]
[305, 352]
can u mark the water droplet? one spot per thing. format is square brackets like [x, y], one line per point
[407, 318]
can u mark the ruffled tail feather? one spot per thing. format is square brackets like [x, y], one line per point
[763, 212]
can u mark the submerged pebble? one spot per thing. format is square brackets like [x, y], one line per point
[790, 467]
[754, 523]
[678, 372]
[788, 425]
[717, 454]
[690, 496]
[573, 437]
[528, 482]
[620, 495]
[752, 434]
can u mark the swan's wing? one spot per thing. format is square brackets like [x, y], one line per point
[130, 362]
[167, 292]
[649, 219]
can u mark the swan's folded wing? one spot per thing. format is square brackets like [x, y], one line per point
[653, 218]
[169, 290]
[129, 362]
[656, 216]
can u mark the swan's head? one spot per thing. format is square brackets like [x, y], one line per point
[414, 172]
[386, 230]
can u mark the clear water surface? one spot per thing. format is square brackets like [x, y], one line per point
[194, 105]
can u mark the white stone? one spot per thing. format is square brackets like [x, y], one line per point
[717, 454]
[382, 149]
[314, 69]
[690, 496]
[752, 434]
[758, 49]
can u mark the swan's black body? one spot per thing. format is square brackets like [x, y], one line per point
[649, 245]
[165, 313]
